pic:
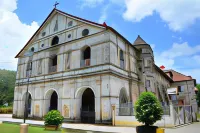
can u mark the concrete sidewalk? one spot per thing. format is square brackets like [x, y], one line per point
[88, 127]
[193, 128]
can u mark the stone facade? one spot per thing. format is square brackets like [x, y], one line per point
[68, 56]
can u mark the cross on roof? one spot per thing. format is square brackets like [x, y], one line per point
[56, 4]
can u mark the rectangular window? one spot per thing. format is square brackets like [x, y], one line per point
[29, 66]
[180, 88]
[148, 83]
[53, 64]
[54, 61]
[121, 59]
[147, 63]
[29, 69]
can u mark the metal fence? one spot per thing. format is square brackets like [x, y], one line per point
[182, 114]
[166, 110]
[125, 109]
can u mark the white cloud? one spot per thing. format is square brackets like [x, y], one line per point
[104, 14]
[178, 14]
[90, 3]
[182, 49]
[181, 57]
[178, 38]
[94, 3]
[13, 34]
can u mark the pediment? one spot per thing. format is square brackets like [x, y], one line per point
[56, 24]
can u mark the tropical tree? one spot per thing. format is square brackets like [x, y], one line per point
[198, 94]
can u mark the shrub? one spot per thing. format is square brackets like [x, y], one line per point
[6, 110]
[148, 109]
[53, 118]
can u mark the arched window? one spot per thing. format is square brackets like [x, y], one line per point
[123, 99]
[124, 107]
[86, 57]
[121, 59]
[55, 41]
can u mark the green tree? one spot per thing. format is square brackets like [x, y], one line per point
[148, 109]
[7, 85]
[198, 94]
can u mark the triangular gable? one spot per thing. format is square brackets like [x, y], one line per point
[139, 40]
[53, 12]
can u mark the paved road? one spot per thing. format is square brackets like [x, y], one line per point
[193, 128]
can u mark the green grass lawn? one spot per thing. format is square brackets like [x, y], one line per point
[198, 115]
[14, 128]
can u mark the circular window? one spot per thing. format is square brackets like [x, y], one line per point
[32, 49]
[69, 36]
[85, 32]
[42, 45]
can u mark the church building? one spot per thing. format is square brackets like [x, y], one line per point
[82, 69]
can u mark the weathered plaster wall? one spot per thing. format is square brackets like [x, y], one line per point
[106, 89]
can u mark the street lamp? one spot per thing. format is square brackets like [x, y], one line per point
[26, 98]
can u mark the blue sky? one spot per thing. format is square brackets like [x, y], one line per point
[172, 28]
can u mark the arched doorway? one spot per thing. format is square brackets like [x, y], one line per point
[27, 102]
[53, 101]
[88, 107]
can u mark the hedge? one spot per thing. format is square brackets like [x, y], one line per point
[6, 110]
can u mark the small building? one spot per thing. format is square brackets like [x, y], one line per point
[184, 88]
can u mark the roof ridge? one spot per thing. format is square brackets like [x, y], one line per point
[80, 18]
[179, 73]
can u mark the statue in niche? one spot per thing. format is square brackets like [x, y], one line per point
[66, 111]
[37, 111]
